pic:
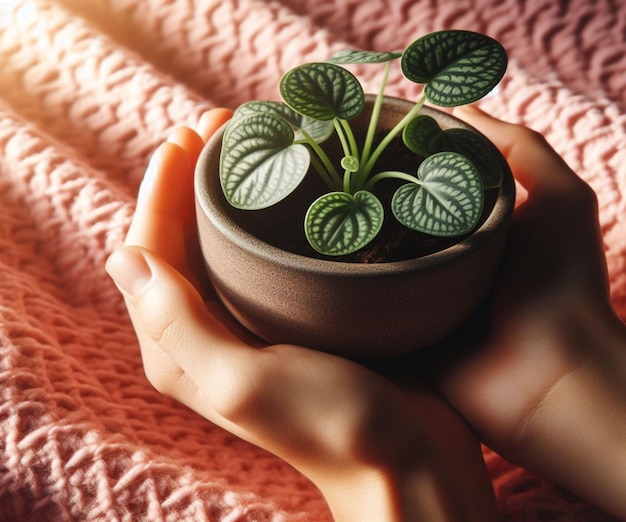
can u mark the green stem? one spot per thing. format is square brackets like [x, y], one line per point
[391, 174]
[339, 129]
[375, 116]
[354, 148]
[319, 168]
[330, 176]
[390, 136]
[346, 182]
[349, 146]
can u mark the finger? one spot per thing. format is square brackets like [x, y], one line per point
[193, 355]
[164, 220]
[212, 120]
[191, 142]
[158, 223]
[188, 140]
[533, 161]
[172, 321]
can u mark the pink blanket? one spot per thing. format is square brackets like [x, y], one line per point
[88, 88]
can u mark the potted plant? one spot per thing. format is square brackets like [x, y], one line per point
[361, 225]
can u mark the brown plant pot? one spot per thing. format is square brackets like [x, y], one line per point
[358, 310]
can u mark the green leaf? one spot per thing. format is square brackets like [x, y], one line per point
[482, 153]
[322, 91]
[259, 164]
[459, 66]
[447, 200]
[349, 56]
[338, 223]
[319, 131]
[424, 137]
[350, 163]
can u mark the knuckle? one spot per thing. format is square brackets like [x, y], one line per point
[238, 399]
[163, 329]
[159, 319]
[257, 387]
[587, 195]
[163, 375]
[527, 135]
[158, 380]
[580, 195]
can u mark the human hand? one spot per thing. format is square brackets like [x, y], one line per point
[545, 383]
[375, 451]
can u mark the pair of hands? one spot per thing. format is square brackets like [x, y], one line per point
[404, 443]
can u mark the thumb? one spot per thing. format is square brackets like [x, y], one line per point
[172, 322]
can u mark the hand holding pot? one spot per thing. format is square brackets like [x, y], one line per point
[375, 451]
[546, 387]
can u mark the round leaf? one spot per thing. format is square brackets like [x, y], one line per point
[259, 164]
[338, 223]
[447, 200]
[482, 153]
[322, 91]
[350, 163]
[459, 66]
[318, 131]
[423, 136]
[353, 56]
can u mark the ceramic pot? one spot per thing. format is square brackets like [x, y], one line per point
[361, 311]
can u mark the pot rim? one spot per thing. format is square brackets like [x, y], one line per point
[211, 206]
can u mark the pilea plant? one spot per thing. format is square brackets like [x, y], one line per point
[268, 147]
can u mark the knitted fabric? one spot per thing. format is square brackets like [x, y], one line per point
[88, 89]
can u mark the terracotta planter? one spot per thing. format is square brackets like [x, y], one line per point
[353, 309]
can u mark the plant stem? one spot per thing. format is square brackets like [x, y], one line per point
[346, 182]
[328, 172]
[349, 146]
[354, 148]
[375, 116]
[390, 136]
[391, 174]
[340, 130]
[321, 170]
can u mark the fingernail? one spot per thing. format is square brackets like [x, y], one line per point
[147, 183]
[129, 270]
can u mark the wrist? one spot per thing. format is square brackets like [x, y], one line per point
[578, 424]
[420, 485]
[362, 495]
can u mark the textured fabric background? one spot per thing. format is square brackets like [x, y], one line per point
[88, 88]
